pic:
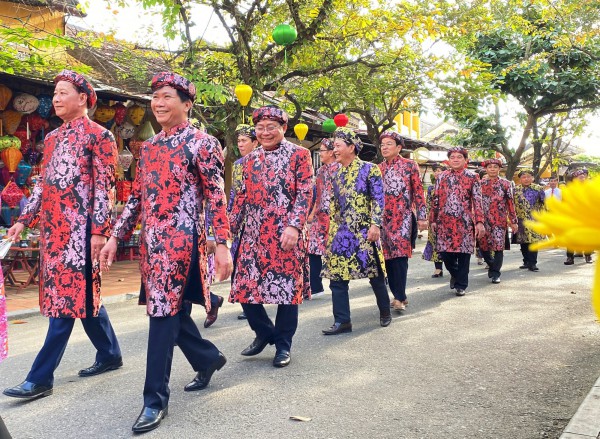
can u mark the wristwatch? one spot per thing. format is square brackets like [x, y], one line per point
[225, 242]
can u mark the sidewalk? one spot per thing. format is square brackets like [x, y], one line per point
[122, 280]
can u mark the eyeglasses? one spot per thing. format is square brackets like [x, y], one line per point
[269, 128]
[324, 150]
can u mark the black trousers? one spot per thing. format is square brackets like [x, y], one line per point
[494, 263]
[316, 282]
[457, 265]
[529, 257]
[163, 334]
[340, 297]
[280, 333]
[397, 269]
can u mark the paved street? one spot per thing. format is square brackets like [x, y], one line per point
[513, 360]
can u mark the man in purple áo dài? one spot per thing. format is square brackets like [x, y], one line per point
[429, 253]
[403, 189]
[269, 214]
[246, 142]
[498, 209]
[353, 245]
[319, 217]
[179, 174]
[457, 217]
[73, 201]
[578, 174]
[528, 198]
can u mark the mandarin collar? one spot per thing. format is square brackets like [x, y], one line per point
[176, 128]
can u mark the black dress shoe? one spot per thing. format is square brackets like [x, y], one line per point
[440, 274]
[98, 368]
[338, 328]
[534, 268]
[569, 261]
[385, 320]
[460, 292]
[452, 281]
[282, 358]
[211, 317]
[28, 390]
[203, 376]
[524, 266]
[242, 316]
[256, 347]
[149, 419]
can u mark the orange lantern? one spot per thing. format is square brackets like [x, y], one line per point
[5, 95]
[104, 113]
[11, 158]
[11, 120]
[136, 114]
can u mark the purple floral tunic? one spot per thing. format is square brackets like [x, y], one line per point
[403, 188]
[178, 173]
[528, 199]
[275, 193]
[429, 253]
[74, 200]
[319, 227]
[498, 209]
[456, 209]
[356, 204]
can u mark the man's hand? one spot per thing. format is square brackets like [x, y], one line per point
[15, 231]
[289, 238]
[373, 234]
[97, 243]
[479, 230]
[211, 246]
[223, 262]
[108, 254]
[422, 225]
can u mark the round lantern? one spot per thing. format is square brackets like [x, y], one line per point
[23, 173]
[5, 95]
[136, 114]
[25, 103]
[329, 126]
[284, 34]
[104, 113]
[21, 134]
[126, 131]
[341, 120]
[11, 158]
[45, 105]
[11, 195]
[120, 113]
[9, 142]
[301, 129]
[11, 120]
[124, 159]
[243, 93]
[134, 147]
[36, 121]
[146, 131]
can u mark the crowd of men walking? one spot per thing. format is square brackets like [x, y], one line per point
[280, 233]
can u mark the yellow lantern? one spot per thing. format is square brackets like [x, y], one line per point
[104, 113]
[301, 129]
[11, 120]
[11, 158]
[136, 114]
[5, 95]
[244, 93]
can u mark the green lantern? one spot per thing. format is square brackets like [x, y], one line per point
[284, 34]
[329, 126]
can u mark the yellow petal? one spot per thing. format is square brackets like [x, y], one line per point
[596, 291]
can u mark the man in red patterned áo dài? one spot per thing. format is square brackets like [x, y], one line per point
[180, 171]
[73, 201]
[272, 262]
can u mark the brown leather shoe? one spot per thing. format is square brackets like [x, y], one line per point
[211, 317]
[588, 259]
[338, 328]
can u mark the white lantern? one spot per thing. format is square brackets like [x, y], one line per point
[25, 103]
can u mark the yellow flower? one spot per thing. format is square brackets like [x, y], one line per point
[573, 223]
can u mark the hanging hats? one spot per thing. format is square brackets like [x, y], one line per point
[525, 171]
[348, 136]
[488, 162]
[176, 81]
[459, 149]
[270, 112]
[81, 83]
[245, 130]
[394, 136]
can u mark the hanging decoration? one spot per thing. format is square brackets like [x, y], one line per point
[23, 173]
[301, 129]
[341, 120]
[136, 114]
[25, 103]
[36, 121]
[104, 113]
[146, 131]
[44, 106]
[9, 142]
[126, 131]
[32, 156]
[11, 158]
[120, 113]
[124, 159]
[11, 120]
[5, 95]
[11, 195]
[329, 126]
[243, 92]
[284, 35]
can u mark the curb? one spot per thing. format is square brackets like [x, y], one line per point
[585, 424]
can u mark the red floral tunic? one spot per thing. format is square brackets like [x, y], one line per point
[74, 200]
[275, 193]
[498, 209]
[3, 322]
[319, 227]
[402, 187]
[179, 172]
[455, 211]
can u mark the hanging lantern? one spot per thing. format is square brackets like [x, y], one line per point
[126, 131]
[9, 142]
[36, 121]
[5, 95]
[11, 158]
[11, 195]
[329, 126]
[44, 106]
[146, 131]
[136, 114]
[135, 147]
[341, 120]
[25, 103]
[243, 93]
[120, 113]
[21, 134]
[301, 129]
[284, 34]
[32, 156]
[124, 159]
[11, 120]
[23, 173]
[4, 175]
[104, 113]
